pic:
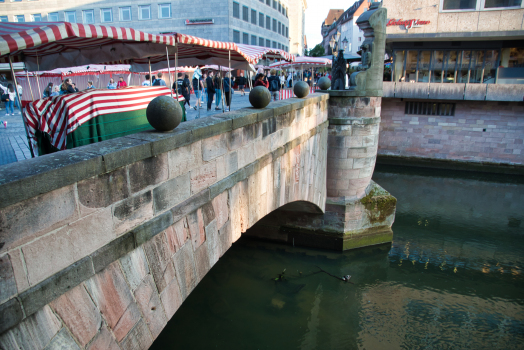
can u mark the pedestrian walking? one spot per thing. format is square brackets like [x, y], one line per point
[228, 90]
[186, 90]
[241, 82]
[274, 84]
[210, 90]
[9, 97]
[218, 91]
[198, 87]
[159, 81]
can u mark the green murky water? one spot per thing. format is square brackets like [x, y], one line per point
[452, 279]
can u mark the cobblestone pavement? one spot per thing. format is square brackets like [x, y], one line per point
[13, 141]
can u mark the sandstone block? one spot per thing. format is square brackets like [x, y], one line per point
[132, 212]
[16, 258]
[246, 155]
[102, 190]
[79, 314]
[135, 267]
[103, 341]
[171, 298]
[251, 133]
[172, 192]
[177, 235]
[221, 208]
[235, 139]
[113, 251]
[62, 340]
[7, 278]
[138, 338]
[185, 270]
[224, 236]
[147, 172]
[184, 159]
[111, 294]
[149, 304]
[151, 228]
[214, 147]
[227, 164]
[195, 222]
[203, 177]
[193, 203]
[160, 263]
[26, 220]
[201, 261]
[213, 248]
[208, 213]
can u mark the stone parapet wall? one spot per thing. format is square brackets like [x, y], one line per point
[480, 131]
[101, 244]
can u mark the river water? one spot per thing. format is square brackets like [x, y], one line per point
[451, 279]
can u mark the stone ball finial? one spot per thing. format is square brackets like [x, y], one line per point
[164, 113]
[324, 83]
[259, 97]
[301, 89]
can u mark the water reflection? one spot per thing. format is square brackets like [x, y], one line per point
[452, 279]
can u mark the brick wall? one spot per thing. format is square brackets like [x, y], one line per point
[480, 131]
[101, 244]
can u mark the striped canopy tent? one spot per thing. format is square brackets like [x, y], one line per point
[303, 62]
[193, 51]
[46, 46]
[80, 70]
[258, 52]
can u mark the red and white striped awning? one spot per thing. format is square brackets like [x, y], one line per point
[304, 62]
[258, 52]
[46, 46]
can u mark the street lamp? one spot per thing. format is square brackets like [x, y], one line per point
[332, 44]
[345, 44]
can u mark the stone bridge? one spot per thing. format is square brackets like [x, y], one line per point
[100, 245]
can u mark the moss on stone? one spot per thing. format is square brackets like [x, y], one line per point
[368, 240]
[379, 204]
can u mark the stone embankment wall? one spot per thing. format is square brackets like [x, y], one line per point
[480, 131]
[100, 245]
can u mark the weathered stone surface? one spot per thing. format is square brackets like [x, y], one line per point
[113, 251]
[166, 141]
[18, 270]
[196, 228]
[147, 172]
[191, 204]
[33, 217]
[227, 164]
[177, 235]
[185, 270]
[208, 213]
[238, 199]
[138, 338]
[476, 92]
[412, 90]
[103, 341]
[103, 190]
[62, 341]
[12, 314]
[203, 176]
[150, 306]
[214, 147]
[184, 159]
[235, 139]
[171, 298]
[135, 267]
[132, 212]
[111, 294]
[202, 265]
[7, 278]
[48, 290]
[160, 263]
[60, 249]
[447, 91]
[221, 208]
[388, 89]
[504, 92]
[224, 236]
[213, 249]
[145, 232]
[79, 314]
[172, 192]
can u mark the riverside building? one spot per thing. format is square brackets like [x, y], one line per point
[252, 22]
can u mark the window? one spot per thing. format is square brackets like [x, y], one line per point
[279, 28]
[275, 4]
[287, 32]
[52, 17]
[19, 18]
[268, 2]
[260, 40]
[236, 10]
[274, 44]
[268, 43]
[261, 19]
[502, 3]
[125, 13]
[36, 17]
[279, 46]
[3, 19]
[70, 16]
[279, 7]
[164, 11]
[459, 4]
[268, 23]
[245, 13]
[275, 25]
[236, 36]
[430, 108]
[88, 16]
[254, 17]
[245, 38]
[253, 40]
[106, 15]
[144, 12]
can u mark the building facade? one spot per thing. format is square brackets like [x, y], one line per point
[297, 26]
[252, 22]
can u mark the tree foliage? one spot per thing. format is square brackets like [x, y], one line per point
[317, 51]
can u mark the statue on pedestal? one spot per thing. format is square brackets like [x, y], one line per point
[339, 72]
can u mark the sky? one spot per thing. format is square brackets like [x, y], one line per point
[316, 13]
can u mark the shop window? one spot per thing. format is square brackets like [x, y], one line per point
[398, 64]
[430, 108]
[450, 66]
[437, 64]
[424, 61]
[411, 66]
[491, 58]
[477, 65]
[463, 67]
[459, 4]
[511, 69]
[502, 3]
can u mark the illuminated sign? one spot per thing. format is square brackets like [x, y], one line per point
[197, 21]
[408, 23]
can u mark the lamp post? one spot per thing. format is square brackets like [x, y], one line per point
[345, 44]
[332, 44]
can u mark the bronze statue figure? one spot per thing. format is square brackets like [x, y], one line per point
[339, 72]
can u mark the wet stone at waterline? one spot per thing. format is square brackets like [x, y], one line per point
[324, 83]
[259, 97]
[164, 113]
[301, 89]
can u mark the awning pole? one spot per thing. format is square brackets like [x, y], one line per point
[200, 89]
[169, 73]
[222, 88]
[30, 88]
[38, 80]
[20, 106]
[150, 75]
[176, 69]
[230, 81]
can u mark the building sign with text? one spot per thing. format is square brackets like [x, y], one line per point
[408, 23]
[197, 21]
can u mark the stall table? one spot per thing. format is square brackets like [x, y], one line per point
[73, 120]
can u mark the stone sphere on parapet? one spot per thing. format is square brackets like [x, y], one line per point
[259, 97]
[164, 113]
[301, 89]
[324, 83]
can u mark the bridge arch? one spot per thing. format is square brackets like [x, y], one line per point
[122, 231]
